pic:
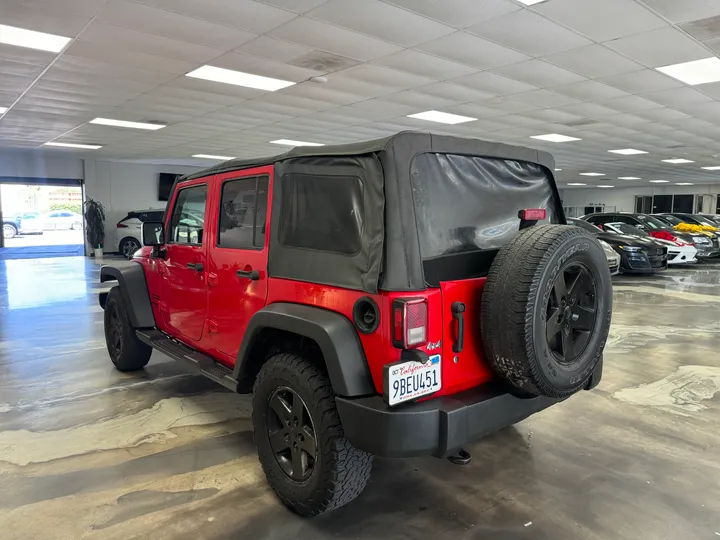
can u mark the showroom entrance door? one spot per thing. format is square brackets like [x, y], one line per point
[41, 217]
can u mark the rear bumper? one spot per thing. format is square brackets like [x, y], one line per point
[437, 426]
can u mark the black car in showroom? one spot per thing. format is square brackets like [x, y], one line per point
[659, 228]
[637, 255]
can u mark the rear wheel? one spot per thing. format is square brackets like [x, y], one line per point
[308, 462]
[546, 310]
[126, 351]
[9, 231]
[128, 247]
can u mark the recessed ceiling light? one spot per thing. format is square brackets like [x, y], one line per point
[592, 174]
[530, 2]
[605, 186]
[684, 184]
[441, 117]
[627, 151]
[713, 168]
[3, 110]
[696, 72]
[72, 145]
[659, 181]
[289, 142]
[629, 178]
[558, 169]
[576, 184]
[678, 160]
[210, 156]
[125, 124]
[238, 78]
[32, 40]
[555, 137]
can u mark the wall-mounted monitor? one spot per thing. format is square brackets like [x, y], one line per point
[165, 184]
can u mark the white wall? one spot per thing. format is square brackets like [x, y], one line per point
[38, 164]
[122, 187]
[623, 199]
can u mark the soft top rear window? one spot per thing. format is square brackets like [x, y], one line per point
[470, 203]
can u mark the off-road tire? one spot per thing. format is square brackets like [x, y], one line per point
[341, 471]
[514, 306]
[126, 351]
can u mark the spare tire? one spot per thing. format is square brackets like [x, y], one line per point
[546, 310]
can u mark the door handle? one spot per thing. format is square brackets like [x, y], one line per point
[249, 274]
[198, 267]
[458, 308]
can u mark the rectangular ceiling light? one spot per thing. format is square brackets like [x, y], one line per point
[210, 156]
[592, 174]
[684, 184]
[530, 2]
[72, 145]
[238, 78]
[576, 184]
[605, 186]
[678, 160]
[628, 151]
[659, 181]
[629, 178]
[32, 40]
[696, 72]
[3, 110]
[714, 168]
[289, 142]
[558, 169]
[555, 137]
[126, 124]
[441, 117]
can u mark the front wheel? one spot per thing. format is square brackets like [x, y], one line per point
[126, 351]
[9, 231]
[307, 460]
[76, 226]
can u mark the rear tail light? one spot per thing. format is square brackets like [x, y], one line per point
[532, 214]
[121, 225]
[409, 320]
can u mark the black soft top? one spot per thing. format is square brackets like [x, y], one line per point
[402, 145]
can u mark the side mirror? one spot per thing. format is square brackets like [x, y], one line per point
[153, 233]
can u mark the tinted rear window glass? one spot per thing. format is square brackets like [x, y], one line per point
[323, 213]
[468, 203]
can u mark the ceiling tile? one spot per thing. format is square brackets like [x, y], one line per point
[546, 98]
[646, 80]
[538, 36]
[507, 105]
[631, 104]
[704, 29]
[425, 64]
[263, 67]
[658, 48]
[459, 13]
[172, 25]
[381, 20]
[19, 68]
[455, 92]
[678, 96]
[491, 82]
[662, 115]
[26, 56]
[472, 50]
[685, 10]
[593, 62]
[296, 6]
[273, 49]
[83, 8]
[602, 21]
[324, 36]
[245, 14]
[50, 19]
[539, 73]
[589, 91]
[385, 76]
[420, 101]
[123, 57]
[132, 40]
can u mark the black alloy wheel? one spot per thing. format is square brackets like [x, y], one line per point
[571, 312]
[291, 434]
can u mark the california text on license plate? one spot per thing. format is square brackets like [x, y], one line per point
[411, 380]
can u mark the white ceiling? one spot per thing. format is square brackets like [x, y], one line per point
[583, 68]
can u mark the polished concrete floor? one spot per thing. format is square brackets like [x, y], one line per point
[87, 452]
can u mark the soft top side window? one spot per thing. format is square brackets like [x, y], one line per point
[188, 217]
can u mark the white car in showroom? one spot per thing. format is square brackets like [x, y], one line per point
[128, 232]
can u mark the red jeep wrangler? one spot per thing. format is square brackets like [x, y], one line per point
[395, 298]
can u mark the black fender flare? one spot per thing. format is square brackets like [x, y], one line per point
[334, 333]
[134, 290]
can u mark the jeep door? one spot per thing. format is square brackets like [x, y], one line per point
[184, 294]
[237, 270]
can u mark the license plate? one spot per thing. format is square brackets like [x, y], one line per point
[407, 381]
